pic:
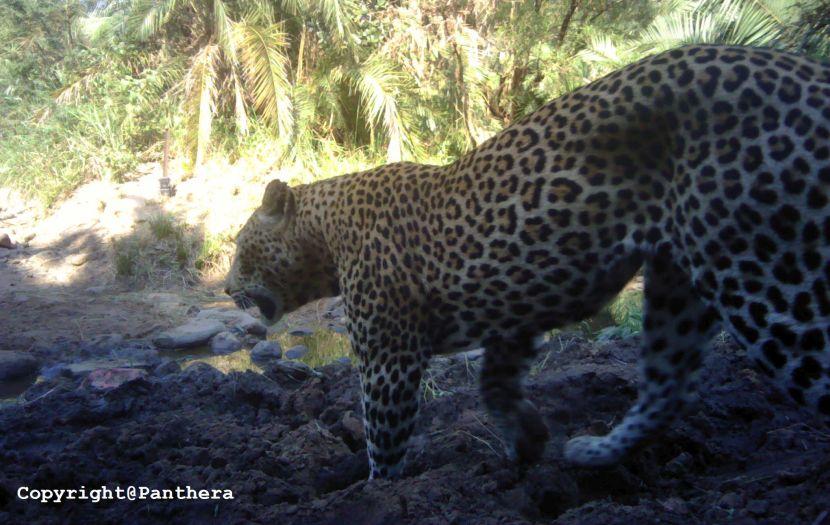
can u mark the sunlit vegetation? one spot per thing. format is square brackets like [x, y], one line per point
[324, 346]
[161, 251]
[89, 86]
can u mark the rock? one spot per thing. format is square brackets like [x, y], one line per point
[758, 507]
[16, 364]
[731, 500]
[300, 331]
[296, 352]
[5, 241]
[251, 340]
[56, 371]
[679, 465]
[233, 318]
[265, 352]
[675, 505]
[105, 379]
[107, 341]
[471, 355]
[344, 361]
[95, 290]
[256, 328]
[82, 368]
[353, 425]
[290, 374]
[203, 372]
[166, 369]
[195, 332]
[78, 259]
[225, 343]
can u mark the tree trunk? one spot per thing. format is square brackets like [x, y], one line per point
[566, 22]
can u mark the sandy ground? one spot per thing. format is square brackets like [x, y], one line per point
[59, 283]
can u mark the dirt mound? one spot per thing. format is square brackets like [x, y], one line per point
[292, 451]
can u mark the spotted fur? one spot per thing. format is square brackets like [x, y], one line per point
[708, 165]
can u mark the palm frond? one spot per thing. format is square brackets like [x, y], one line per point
[740, 22]
[200, 95]
[338, 16]
[239, 103]
[293, 7]
[98, 29]
[379, 85]
[148, 16]
[265, 67]
[299, 147]
[223, 29]
[259, 12]
[754, 22]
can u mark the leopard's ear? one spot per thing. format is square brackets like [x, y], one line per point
[278, 202]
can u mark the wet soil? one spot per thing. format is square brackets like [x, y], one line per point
[291, 449]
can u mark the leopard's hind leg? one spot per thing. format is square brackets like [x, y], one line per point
[785, 332]
[506, 363]
[677, 325]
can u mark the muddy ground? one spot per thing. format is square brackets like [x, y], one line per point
[291, 449]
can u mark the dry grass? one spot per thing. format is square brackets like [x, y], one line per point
[161, 252]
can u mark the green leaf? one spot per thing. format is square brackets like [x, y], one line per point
[147, 17]
[200, 96]
[265, 67]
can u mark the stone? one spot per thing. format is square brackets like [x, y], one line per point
[731, 500]
[78, 259]
[6, 242]
[166, 369]
[296, 352]
[85, 367]
[107, 341]
[678, 466]
[300, 331]
[109, 378]
[95, 290]
[14, 365]
[675, 505]
[290, 374]
[265, 352]
[758, 507]
[234, 318]
[353, 425]
[225, 343]
[471, 355]
[195, 332]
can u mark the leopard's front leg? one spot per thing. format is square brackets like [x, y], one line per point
[391, 367]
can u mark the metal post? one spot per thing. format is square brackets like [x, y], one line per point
[164, 183]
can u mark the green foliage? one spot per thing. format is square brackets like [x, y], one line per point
[215, 252]
[164, 226]
[626, 314]
[324, 347]
[88, 87]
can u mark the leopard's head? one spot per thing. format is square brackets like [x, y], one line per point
[275, 267]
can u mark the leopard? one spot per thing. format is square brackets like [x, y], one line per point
[705, 169]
